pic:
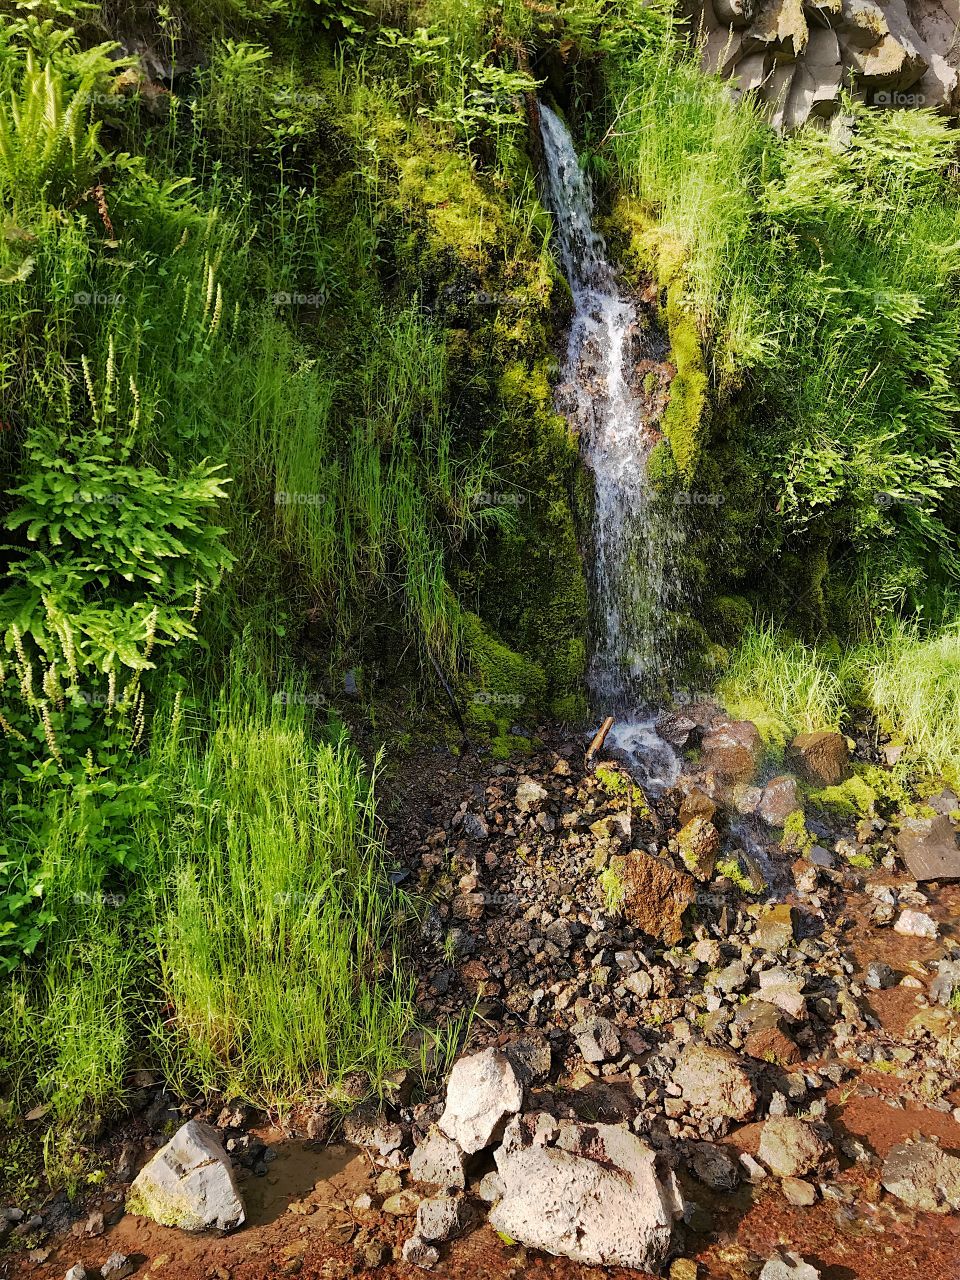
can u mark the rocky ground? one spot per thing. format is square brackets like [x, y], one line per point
[711, 1037]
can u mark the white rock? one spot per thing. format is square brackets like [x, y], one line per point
[530, 795]
[189, 1184]
[588, 1192]
[916, 924]
[438, 1160]
[483, 1092]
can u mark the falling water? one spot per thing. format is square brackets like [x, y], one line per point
[610, 351]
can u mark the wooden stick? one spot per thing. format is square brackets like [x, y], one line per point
[599, 738]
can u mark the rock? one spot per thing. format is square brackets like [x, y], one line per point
[789, 1266]
[684, 1269]
[734, 13]
[475, 827]
[916, 924]
[731, 979]
[77, 1272]
[799, 1193]
[946, 982]
[790, 1147]
[438, 1161]
[655, 895]
[821, 758]
[753, 1171]
[780, 798]
[746, 800]
[696, 804]
[530, 795]
[923, 1176]
[490, 1189]
[419, 1253]
[483, 1092]
[441, 1218]
[929, 848]
[715, 1081]
[769, 1041]
[369, 1128]
[469, 906]
[189, 1183]
[714, 1165]
[592, 1193]
[733, 751]
[775, 931]
[597, 1039]
[117, 1267]
[879, 976]
[401, 1204]
[699, 842]
[821, 857]
[675, 728]
[531, 1056]
[784, 989]
[639, 983]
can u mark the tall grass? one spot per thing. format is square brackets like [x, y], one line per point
[275, 923]
[905, 675]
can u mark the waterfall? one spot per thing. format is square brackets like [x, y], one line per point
[613, 352]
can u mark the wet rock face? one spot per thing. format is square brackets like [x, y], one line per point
[732, 752]
[588, 1192]
[779, 799]
[823, 758]
[189, 1184]
[798, 56]
[699, 842]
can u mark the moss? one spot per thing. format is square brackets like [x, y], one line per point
[611, 889]
[732, 871]
[854, 798]
[686, 413]
[796, 838]
[729, 617]
[502, 685]
[507, 745]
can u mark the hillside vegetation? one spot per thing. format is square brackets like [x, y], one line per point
[279, 320]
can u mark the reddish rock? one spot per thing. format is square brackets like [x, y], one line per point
[733, 751]
[696, 804]
[780, 798]
[655, 895]
[715, 1081]
[822, 758]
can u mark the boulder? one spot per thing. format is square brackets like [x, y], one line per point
[438, 1161]
[699, 842]
[923, 1176]
[733, 751]
[929, 848]
[483, 1092]
[189, 1184]
[715, 1081]
[593, 1193]
[675, 727]
[655, 895]
[775, 931]
[822, 758]
[790, 1147]
[780, 798]
[696, 804]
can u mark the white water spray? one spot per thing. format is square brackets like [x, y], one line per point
[611, 350]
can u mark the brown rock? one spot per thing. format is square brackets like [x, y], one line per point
[699, 842]
[655, 895]
[790, 1147]
[733, 751]
[775, 928]
[822, 758]
[768, 1040]
[696, 804]
[780, 798]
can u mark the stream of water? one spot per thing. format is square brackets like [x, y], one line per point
[634, 532]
